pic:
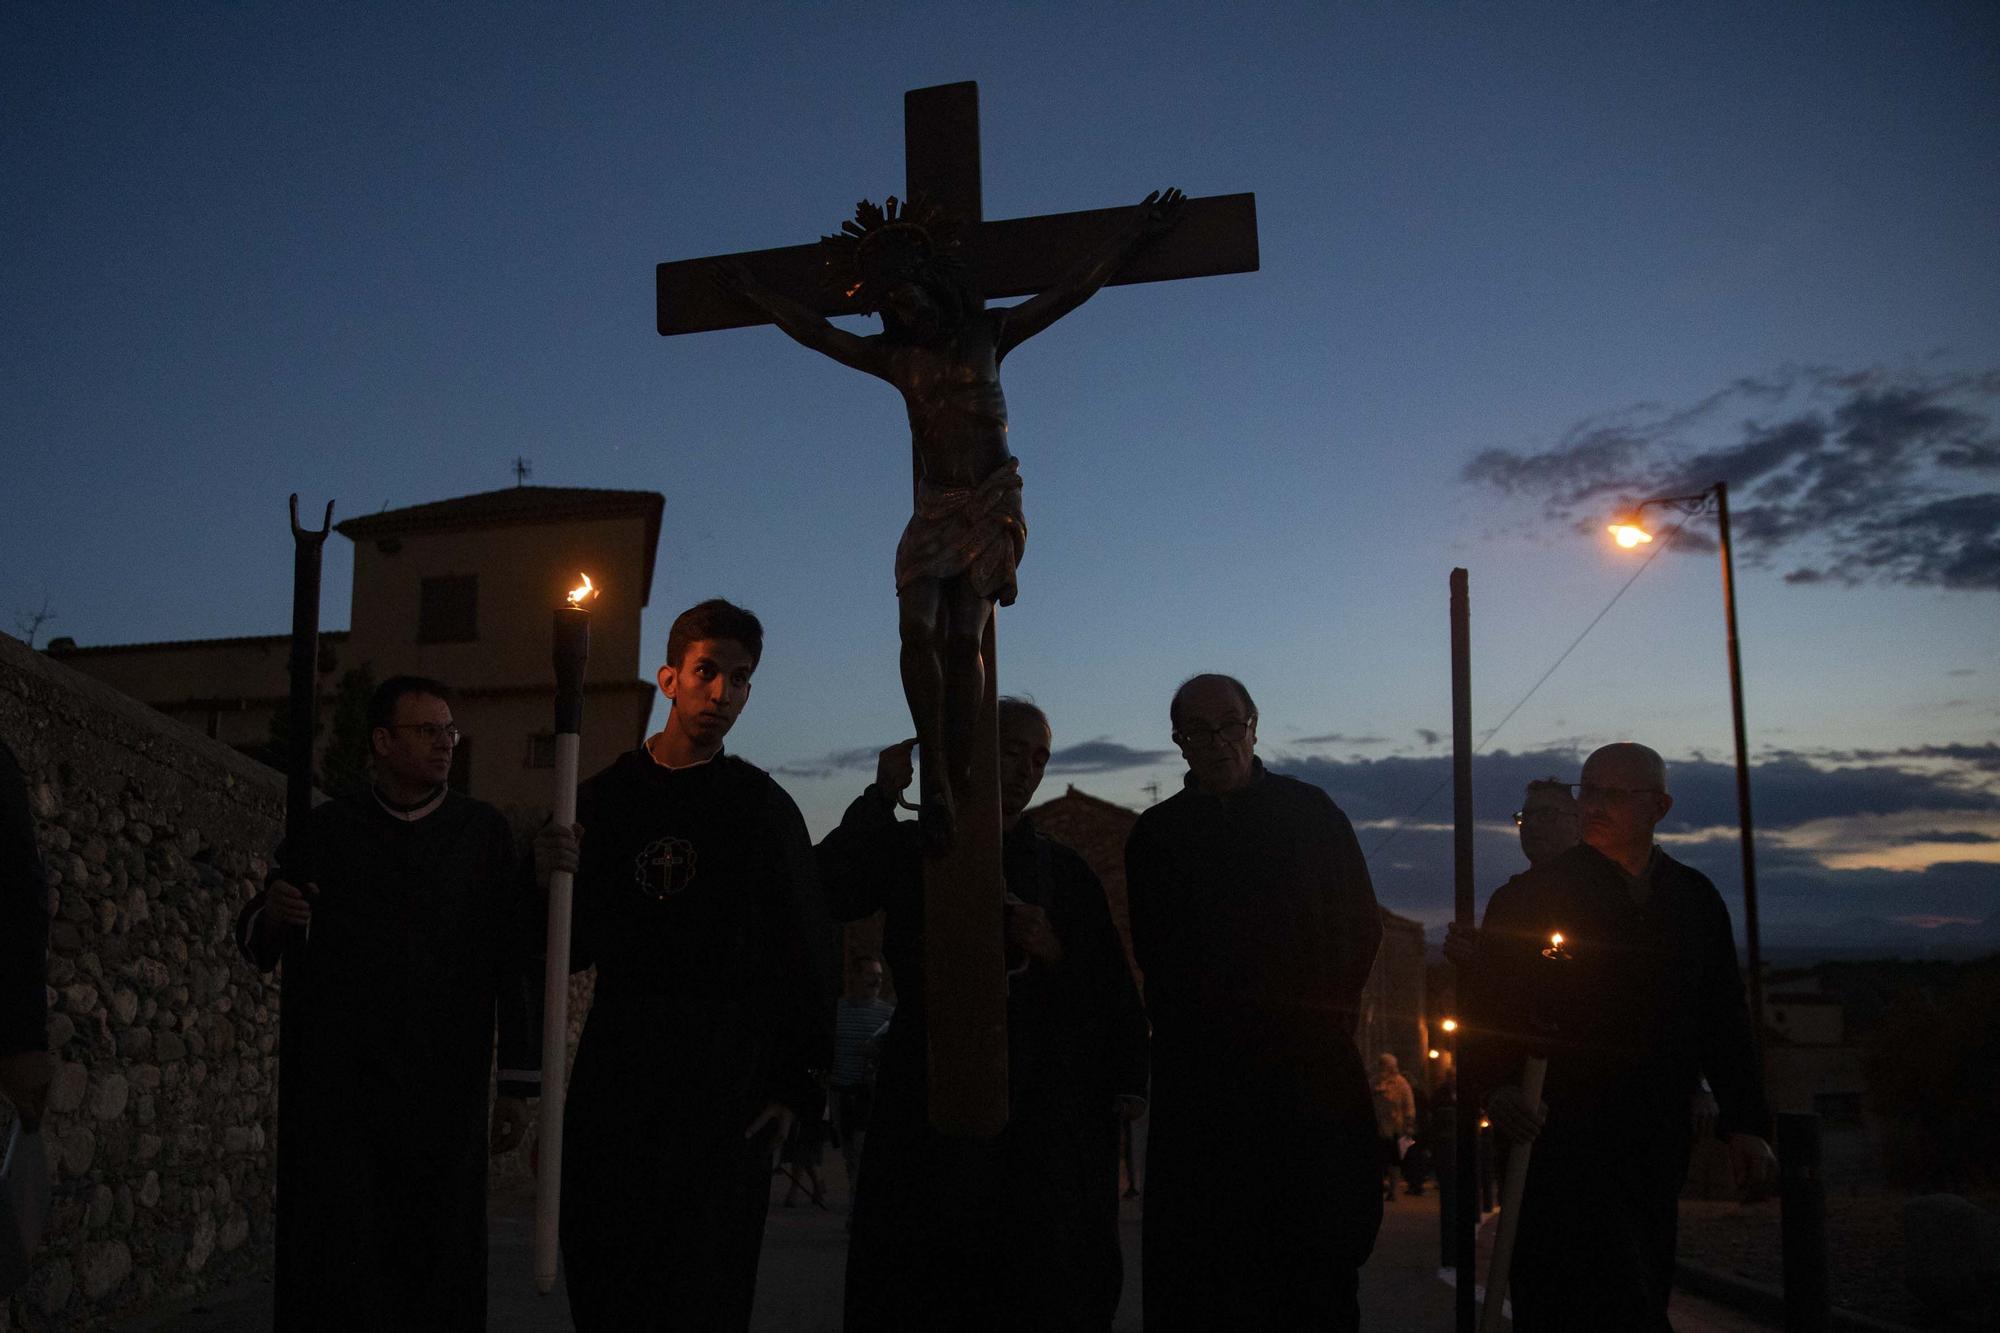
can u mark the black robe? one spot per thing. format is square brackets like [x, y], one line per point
[1649, 1000]
[1255, 926]
[696, 900]
[1009, 1233]
[24, 919]
[423, 933]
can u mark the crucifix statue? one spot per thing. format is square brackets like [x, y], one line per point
[928, 264]
[941, 348]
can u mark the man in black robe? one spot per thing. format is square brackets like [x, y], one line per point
[1008, 1234]
[1640, 999]
[1255, 925]
[404, 925]
[712, 1018]
[25, 1067]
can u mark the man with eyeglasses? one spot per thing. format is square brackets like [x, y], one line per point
[407, 930]
[1017, 1234]
[1641, 997]
[1255, 924]
[1548, 820]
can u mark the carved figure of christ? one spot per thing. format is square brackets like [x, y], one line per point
[942, 351]
[942, 348]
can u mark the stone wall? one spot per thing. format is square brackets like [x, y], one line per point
[165, 1039]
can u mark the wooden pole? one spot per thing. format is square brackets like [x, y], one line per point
[572, 649]
[1753, 944]
[1802, 1225]
[1532, 1075]
[965, 964]
[302, 705]
[1466, 1127]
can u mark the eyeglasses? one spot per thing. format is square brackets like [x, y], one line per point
[1229, 731]
[1523, 816]
[1590, 791]
[431, 732]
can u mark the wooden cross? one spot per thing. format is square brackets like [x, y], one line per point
[965, 976]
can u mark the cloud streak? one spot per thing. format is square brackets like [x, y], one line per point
[861, 757]
[1103, 755]
[1808, 815]
[1850, 476]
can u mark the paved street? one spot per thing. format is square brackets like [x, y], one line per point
[799, 1280]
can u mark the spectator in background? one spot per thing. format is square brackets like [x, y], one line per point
[1395, 1118]
[859, 1017]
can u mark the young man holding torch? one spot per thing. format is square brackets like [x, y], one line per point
[403, 922]
[696, 900]
[1638, 996]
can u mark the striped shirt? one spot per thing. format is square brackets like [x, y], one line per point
[855, 1021]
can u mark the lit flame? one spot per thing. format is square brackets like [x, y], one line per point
[1556, 940]
[578, 596]
[1484, 1123]
[1432, 1053]
[1555, 949]
[1629, 535]
[1449, 1025]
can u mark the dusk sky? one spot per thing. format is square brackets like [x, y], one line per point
[1519, 262]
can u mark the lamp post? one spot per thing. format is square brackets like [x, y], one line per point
[1628, 534]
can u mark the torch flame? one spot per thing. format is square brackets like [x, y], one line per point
[1556, 940]
[578, 596]
[1449, 1025]
[1629, 535]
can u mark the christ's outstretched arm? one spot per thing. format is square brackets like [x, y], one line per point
[1154, 215]
[801, 323]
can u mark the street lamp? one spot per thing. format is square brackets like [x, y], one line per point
[1628, 533]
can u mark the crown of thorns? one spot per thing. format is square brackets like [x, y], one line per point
[900, 241]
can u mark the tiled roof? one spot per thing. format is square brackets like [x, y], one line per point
[515, 506]
[63, 648]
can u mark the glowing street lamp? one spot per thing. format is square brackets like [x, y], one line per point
[1628, 533]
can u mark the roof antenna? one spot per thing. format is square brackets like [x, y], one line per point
[522, 470]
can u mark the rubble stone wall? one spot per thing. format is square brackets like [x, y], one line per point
[159, 1119]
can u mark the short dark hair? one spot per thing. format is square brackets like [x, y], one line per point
[1019, 703]
[382, 704]
[1174, 708]
[715, 619]
[1551, 786]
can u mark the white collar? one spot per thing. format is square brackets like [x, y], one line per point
[412, 815]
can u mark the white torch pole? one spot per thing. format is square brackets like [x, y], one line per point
[1516, 1185]
[572, 648]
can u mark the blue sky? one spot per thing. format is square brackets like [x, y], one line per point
[372, 253]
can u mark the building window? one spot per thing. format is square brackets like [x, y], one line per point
[542, 751]
[449, 610]
[461, 766]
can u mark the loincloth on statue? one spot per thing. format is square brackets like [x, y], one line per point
[974, 531]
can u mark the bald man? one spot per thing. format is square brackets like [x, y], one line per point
[1643, 999]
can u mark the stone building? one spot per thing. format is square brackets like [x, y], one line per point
[165, 1093]
[462, 590]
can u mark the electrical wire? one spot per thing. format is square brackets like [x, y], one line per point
[1423, 805]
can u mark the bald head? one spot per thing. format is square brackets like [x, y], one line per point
[1623, 797]
[1639, 763]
